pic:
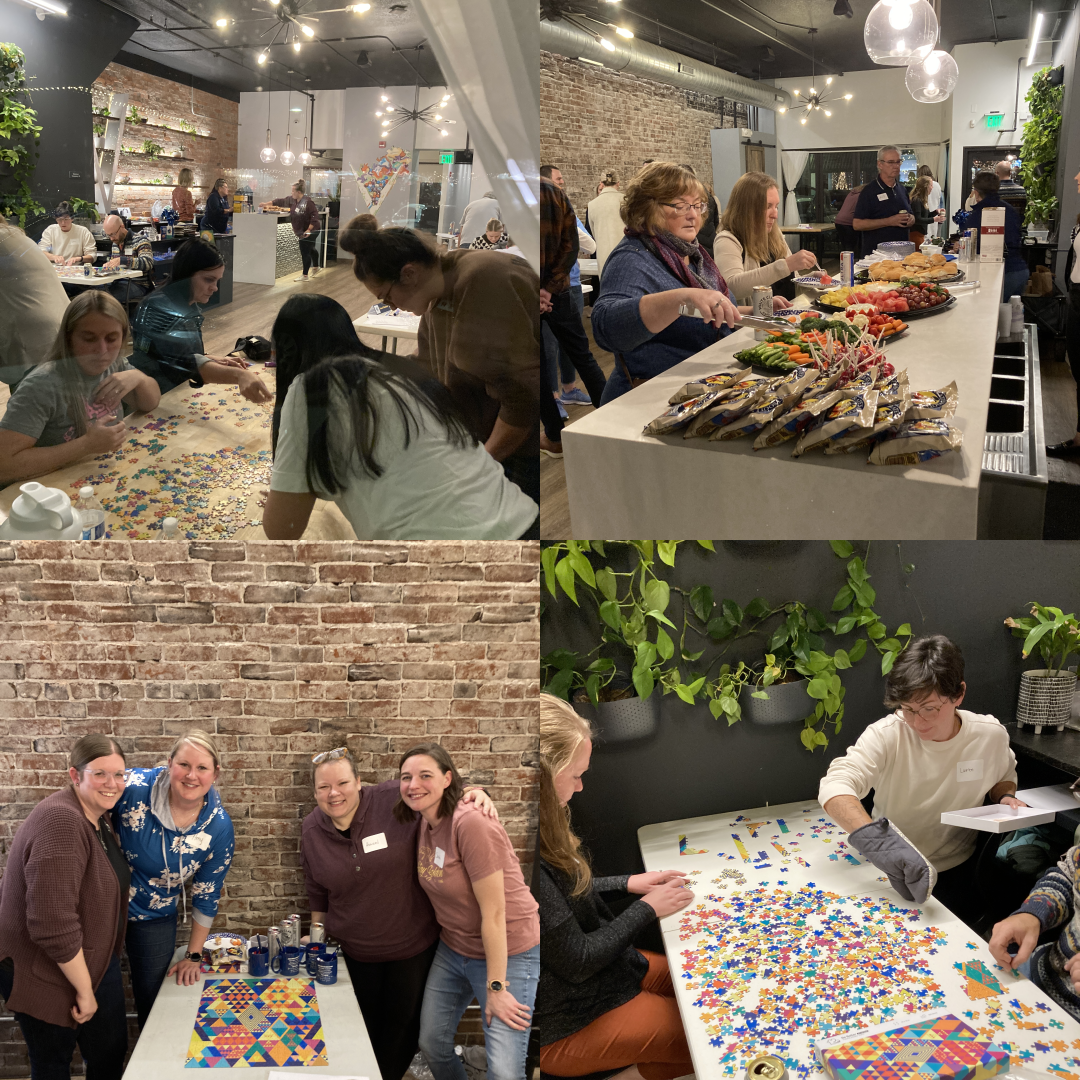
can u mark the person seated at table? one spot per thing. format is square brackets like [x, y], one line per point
[167, 329]
[479, 332]
[172, 814]
[380, 915]
[65, 243]
[130, 251]
[750, 249]
[489, 941]
[655, 269]
[218, 208]
[306, 224]
[32, 304]
[926, 758]
[379, 436]
[63, 912]
[72, 407]
[601, 1003]
[984, 190]
[494, 238]
[1055, 965]
[182, 202]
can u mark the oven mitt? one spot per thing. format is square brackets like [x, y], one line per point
[909, 871]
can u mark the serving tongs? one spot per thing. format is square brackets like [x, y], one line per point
[755, 322]
[962, 286]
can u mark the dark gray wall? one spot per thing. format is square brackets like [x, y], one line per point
[695, 765]
[71, 50]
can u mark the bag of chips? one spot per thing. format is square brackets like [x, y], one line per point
[797, 419]
[847, 413]
[916, 441]
[861, 383]
[723, 380]
[887, 418]
[795, 383]
[680, 415]
[933, 404]
[758, 416]
[893, 388]
[728, 405]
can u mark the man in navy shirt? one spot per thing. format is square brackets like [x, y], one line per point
[883, 211]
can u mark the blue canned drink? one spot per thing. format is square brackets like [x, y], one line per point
[86, 270]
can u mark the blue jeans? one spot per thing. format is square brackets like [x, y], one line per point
[454, 980]
[102, 1039]
[150, 948]
[556, 363]
[1015, 280]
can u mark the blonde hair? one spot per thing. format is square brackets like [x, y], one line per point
[493, 225]
[921, 190]
[562, 732]
[186, 178]
[88, 302]
[744, 217]
[656, 183]
[201, 741]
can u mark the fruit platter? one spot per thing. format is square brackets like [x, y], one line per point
[911, 299]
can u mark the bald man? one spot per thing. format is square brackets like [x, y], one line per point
[1003, 170]
[130, 251]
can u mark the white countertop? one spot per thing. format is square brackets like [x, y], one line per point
[623, 483]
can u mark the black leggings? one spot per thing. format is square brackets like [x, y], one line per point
[1072, 342]
[309, 250]
[390, 995]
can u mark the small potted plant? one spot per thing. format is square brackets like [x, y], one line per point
[151, 149]
[1046, 694]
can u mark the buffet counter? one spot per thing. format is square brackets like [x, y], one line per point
[623, 483]
[267, 248]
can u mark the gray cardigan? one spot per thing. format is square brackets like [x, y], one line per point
[588, 965]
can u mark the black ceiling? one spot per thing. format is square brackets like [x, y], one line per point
[769, 39]
[182, 35]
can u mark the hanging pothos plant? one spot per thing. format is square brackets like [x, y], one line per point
[1039, 149]
[18, 138]
[635, 617]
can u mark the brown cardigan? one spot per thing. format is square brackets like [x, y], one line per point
[183, 203]
[59, 894]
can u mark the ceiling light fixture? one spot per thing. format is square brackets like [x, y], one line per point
[47, 7]
[296, 46]
[221, 22]
[262, 58]
[607, 44]
[898, 32]
[306, 30]
[814, 100]
[429, 114]
[268, 154]
[933, 79]
[1034, 39]
[623, 32]
[305, 154]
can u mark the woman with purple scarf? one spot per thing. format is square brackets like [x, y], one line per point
[656, 269]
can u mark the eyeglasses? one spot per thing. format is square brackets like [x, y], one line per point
[926, 712]
[99, 776]
[386, 299]
[888, 161]
[330, 755]
[685, 208]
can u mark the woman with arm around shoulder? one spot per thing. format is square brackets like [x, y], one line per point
[489, 945]
[359, 863]
[63, 910]
[601, 1004]
[72, 407]
[750, 249]
[176, 833]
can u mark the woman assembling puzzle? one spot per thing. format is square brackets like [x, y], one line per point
[926, 758]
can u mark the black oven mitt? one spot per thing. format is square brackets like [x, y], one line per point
[909, 871]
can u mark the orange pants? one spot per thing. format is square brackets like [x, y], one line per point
[646, 1032]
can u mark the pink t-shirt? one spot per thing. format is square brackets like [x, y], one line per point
[458, 851]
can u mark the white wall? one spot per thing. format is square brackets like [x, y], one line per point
[329, 123]
[988, 83]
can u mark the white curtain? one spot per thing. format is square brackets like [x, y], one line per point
[794, 161]
[489, 52]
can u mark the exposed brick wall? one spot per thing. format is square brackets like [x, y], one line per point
[166, 103]
[594, 119]
[280, 650]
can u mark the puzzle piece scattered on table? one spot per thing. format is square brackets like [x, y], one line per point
[685, 849]
[980, 981]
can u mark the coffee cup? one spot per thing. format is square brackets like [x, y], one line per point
[287, 961]
[315, 949]
[326, 968]
[259, 961]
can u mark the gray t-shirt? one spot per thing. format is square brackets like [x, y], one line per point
[38, 407]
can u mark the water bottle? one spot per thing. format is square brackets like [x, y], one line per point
[93, 514]
[1017, 315]
[170, 529]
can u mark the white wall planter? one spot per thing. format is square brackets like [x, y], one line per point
[1045, 699]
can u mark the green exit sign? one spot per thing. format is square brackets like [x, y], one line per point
[993, 120]
[447, 159]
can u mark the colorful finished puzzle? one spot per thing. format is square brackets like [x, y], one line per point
[257, 1023]
[932, 1046]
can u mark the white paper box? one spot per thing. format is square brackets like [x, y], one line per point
[997, 818]
[992, 235]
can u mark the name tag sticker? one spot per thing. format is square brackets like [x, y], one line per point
[440, 856]
[375, 842]
[969, 770]
[882, 197]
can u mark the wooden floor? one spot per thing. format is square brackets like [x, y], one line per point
[203, 456]
[1059, 418]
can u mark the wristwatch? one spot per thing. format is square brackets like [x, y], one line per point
[1007, 795]
[495, 986]
[194, 957]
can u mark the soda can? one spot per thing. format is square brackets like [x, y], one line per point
[847, 268]
[286, 929]
[766, 1067]
[762, 307]
[86, 270]
[318, 932]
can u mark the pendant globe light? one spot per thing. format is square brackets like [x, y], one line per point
[305, 154]
[898, 32]
[268, 153]
[287, 156]
[932, 79]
